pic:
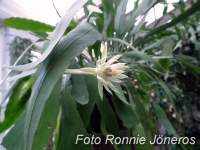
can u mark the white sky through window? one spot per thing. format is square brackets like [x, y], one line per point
[44, 11]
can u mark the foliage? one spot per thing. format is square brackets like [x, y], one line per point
[61, 105]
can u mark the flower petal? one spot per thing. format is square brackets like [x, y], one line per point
[122, 76]
[104, 52]
[120, 66]
[107, 88]
[100, 89]
[110, 85]
[116, 80]
[113, 59]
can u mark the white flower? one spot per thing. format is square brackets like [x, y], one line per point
[108, 72]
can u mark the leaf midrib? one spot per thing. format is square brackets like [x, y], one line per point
[40, 84]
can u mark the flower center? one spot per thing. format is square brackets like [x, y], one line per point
[109, 72]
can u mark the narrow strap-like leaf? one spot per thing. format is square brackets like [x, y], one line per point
[27, 24]
[52, 69]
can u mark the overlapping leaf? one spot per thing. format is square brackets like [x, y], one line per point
[17, 102]
[27, 24]
[71, 125]
[52, 69]
[55, 36]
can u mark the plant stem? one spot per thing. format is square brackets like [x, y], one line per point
[17, 61]
[123, 42]
[56, 9]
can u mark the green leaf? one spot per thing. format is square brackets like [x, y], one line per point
[17, 132]
[108, 15]
[120, 17]
[189, 62]
[44, 35]
[70, 46]
[167, 47]
[79, 89]
[142, 8]
[126, 114]
[141, 102]
[85, 111]
[10, 91]
[163, 85]
[28, 25]
[138, 27]
[48, 120]
[157, 44]
[165, 9]
[108, 118]
[167, 90]
[17, 102]
[71, 125]
[41, 35]
[47, 124]
[119, 93]
[162, 117]
[183, 16]
[130, 56]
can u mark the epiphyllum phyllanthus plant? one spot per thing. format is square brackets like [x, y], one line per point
[108, 72]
